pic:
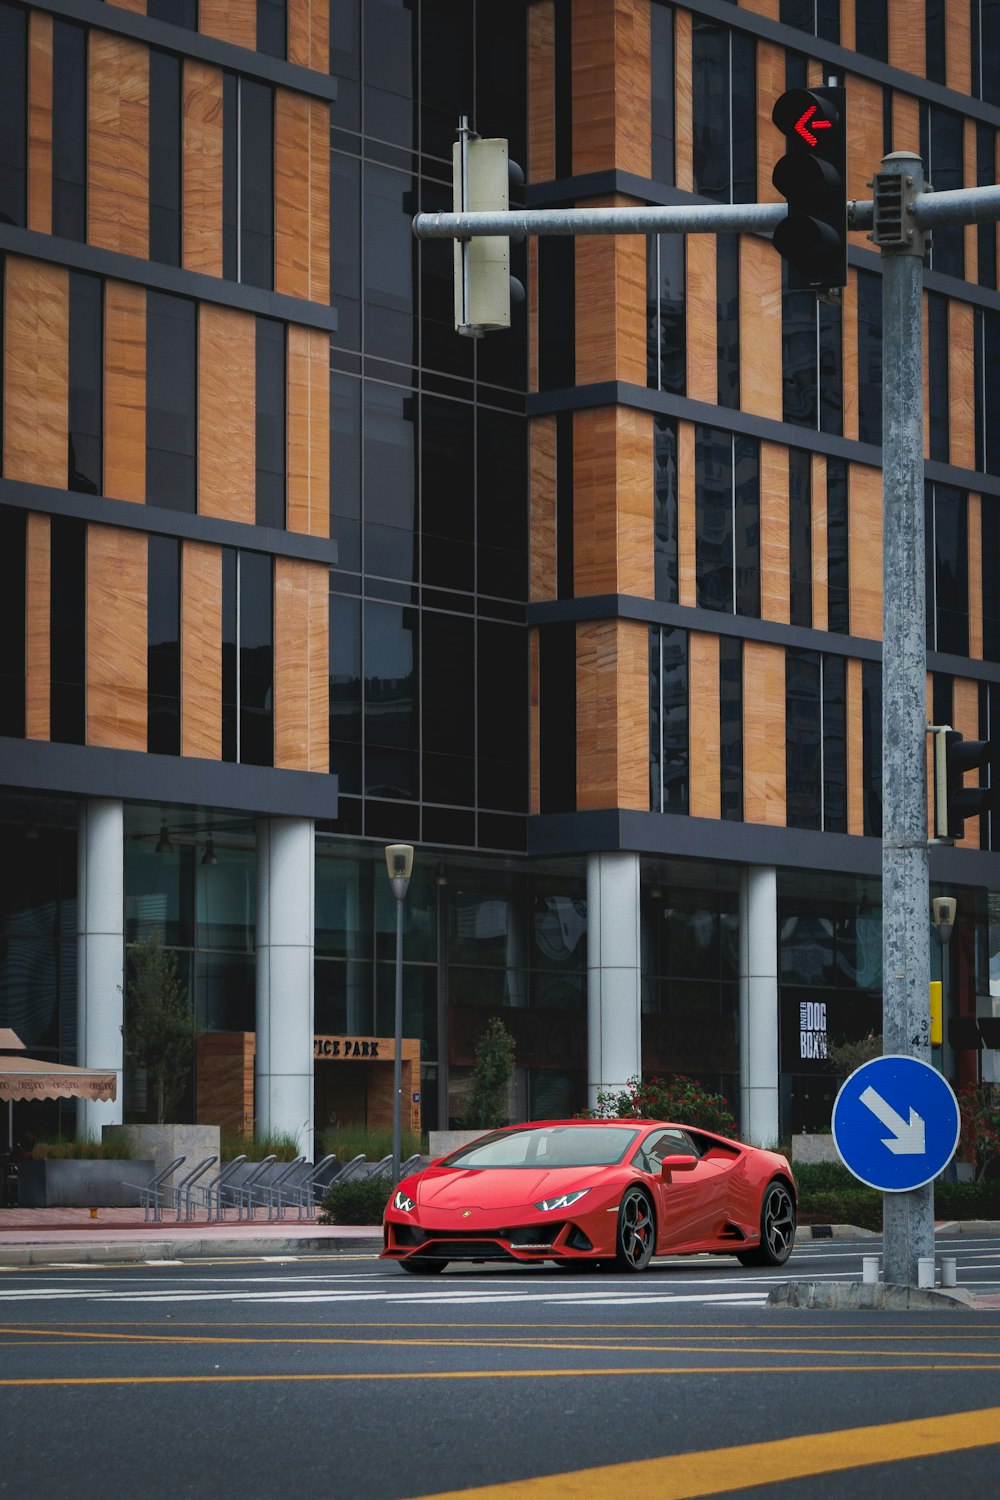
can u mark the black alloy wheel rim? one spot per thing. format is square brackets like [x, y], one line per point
[636, 1228]
[779, 1221]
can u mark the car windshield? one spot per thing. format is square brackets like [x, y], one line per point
[547, 1146]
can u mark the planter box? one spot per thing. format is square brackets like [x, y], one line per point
[441, 1142]
[164, 1143]
[810, 1149]
[80, 1184]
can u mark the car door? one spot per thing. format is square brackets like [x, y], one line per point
[689, 1206]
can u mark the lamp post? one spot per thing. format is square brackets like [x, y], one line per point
[399, 863]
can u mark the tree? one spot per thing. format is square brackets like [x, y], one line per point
[679, 1100]
[158, 1032]
[488, 1102]
[844, 1057]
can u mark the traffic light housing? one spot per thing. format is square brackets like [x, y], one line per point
[812, 176]
[954, 757]
[481, 184]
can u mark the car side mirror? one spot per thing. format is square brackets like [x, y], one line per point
[671, 1164]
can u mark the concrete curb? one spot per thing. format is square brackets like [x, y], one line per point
[143, 1250]
[861, 1296]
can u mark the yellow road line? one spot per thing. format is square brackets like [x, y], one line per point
[684, 1476]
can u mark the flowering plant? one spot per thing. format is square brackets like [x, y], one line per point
[980, 1108]
[679, 1099]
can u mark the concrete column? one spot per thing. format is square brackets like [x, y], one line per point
[614, 1015]
[286, 933]
[759, 1006]
[100, 944]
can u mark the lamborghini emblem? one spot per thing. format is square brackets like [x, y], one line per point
[467, 1213]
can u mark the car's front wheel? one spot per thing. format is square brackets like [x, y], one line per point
[422, 1266]
[777, 1229]
[636, 1238]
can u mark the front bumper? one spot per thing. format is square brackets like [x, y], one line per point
[526, 1243]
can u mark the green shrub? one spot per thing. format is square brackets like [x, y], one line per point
[347, 1141]
[360, 1202]
[823, 1176]
[967, 1200]
[861, 1206]
[285, 1147]
[678, 1099]
[110, 1150]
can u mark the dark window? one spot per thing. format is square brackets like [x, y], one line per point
[345, 469]
[14, 93]
[731, 727]
[501, 504]
[871, 746]
[69, 130]
[390, 449]
[256, 662]
[345, 692]
[662, 92]
[345, 259]
[746, 524]
[838, 580]
[948, 539]
[86, 371]
[800, 536]
[556, 312]
[13, 525]
[936, 35]
[870, 358]
[665, 509]
[272, 27]
[179, 12]
[163, 735]
[834, 744]
[565, 579]
[831, 367]
[448, 708]
[389, 264]
[68, 631]
[991, 584]
[743, 55]
[666, 336]
[727, 311]
[937, 375]
[164, 157]
[171, 401]
[818, 17]
[668, 719]
[392, 720]
[270, 425]
[345, 63]
[799, 357]
[230, 656]
[725, 122]
[803, 740]
[563, 102]
[987, 376]
[985, 176]
[557, 718]
[714, 518]
[447, 494]
[248, 181]
[502, 716]
[942, 148]
[985, 54]
[872, 29]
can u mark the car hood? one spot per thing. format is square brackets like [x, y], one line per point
[498, 1187]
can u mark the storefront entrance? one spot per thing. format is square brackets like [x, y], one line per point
[353, 1082]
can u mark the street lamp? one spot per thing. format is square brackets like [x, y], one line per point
[399, 863]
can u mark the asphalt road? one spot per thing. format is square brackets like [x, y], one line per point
[341, 1377]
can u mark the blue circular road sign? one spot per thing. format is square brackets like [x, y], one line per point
[896, 1123]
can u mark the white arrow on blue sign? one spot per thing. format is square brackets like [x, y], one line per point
[896, 1123]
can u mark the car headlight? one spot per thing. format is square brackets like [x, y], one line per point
[402, 1202]
[563, 1201]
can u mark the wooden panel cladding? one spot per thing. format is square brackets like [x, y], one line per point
[224, 1091]
[969, 179]
[965, 718]
[232, 21]
[534, 741]
[308, 431]
[905, 123]
[775, 588]
[227, 437]
[958, 53]
[864, 532]
[532, 312]
[961, 389]
[542, 531]
[684, 103]
[855, 751]
[687, 546]
[613, 502]
[309, 34]
[301, 665]
[847, 28]
[124, 391]
[201, 176]
[907, 37]
[612, 715]
[849, 326]
[541, 91]
[702, 319]
[118, 144]
[864, 140]
[769, 8]
[703, 699]
[201, 650]
[763, 733]
[820, 568]
[35, 372]
[610, 304]
[611, 86]
[302, 196]
[40, 122]
[975, 514]
[137, 6]
[770, 84]
[38, 610]
[117, 638]
[760, 328]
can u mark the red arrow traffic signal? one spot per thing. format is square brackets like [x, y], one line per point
[803, 121]
[812, 176]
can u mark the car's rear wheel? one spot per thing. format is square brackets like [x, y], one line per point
[423, 1266]
[636, 1239]
[777, 1228]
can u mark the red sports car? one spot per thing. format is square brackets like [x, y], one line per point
[589, 1192]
